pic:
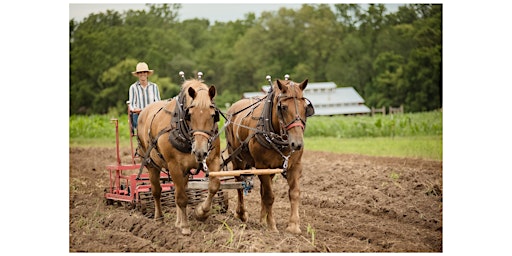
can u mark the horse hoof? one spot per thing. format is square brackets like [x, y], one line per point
[185, 231]
[243, 217]
[201, 218]
[200, 215]
[293, 230]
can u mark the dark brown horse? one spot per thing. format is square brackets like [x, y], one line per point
[179, 135]
[270, 132]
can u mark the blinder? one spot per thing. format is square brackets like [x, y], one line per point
[216, 117]
[187, 115]
[310, 110]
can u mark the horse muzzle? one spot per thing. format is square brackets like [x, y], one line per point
[200, 147]
[296, 145]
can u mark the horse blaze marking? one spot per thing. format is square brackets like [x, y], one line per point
[241, 172]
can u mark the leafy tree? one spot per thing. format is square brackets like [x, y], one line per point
[390, 58]
[388, 87]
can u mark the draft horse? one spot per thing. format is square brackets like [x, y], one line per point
[178, 135]
[266, 133]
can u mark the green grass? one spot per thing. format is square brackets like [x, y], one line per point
[426, 147]
[404, 125]
[417, 135]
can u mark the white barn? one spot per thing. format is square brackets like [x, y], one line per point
[328, 100]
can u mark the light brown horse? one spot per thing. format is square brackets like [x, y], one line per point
[271, 135]
[192, 119]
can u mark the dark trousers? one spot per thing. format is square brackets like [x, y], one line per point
[134, 117]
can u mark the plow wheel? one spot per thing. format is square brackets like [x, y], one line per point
[146, 203]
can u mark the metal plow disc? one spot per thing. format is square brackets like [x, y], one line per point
[146, 203]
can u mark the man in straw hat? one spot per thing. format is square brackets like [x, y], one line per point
[142, 93]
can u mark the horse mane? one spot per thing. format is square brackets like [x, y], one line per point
[202, 99]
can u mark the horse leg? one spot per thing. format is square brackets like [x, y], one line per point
[241, 213]
[156, 190]
[203, 210]
[267, 200]
[293, 178]
[181, 198]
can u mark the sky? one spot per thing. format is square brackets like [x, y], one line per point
[222, 12]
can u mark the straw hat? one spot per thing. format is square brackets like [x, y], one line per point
[142, 66]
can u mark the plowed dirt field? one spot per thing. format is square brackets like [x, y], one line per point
[349, 203]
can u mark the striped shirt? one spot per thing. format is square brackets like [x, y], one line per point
[141, 97]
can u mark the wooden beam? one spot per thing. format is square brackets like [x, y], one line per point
[241, 172]
[223, 185]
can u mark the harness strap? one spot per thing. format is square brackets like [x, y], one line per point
[147, 159]
[237, 151]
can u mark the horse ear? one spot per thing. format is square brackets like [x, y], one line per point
[191, 92]
[212, 91]
[303, 84]
[280, 86]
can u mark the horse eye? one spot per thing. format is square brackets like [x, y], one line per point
[284, 108]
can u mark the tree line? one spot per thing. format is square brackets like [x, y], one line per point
[390, 58]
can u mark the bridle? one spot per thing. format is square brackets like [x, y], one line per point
[191, 134]
[210, 135]
[298, 120]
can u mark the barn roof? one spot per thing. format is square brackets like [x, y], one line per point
[327, 99]
[338, 95]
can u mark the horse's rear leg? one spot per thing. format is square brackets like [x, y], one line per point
[267, 200]
[203, 210]
[156, 190]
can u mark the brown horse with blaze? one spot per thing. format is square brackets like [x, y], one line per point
[270, 131]
[193, 113]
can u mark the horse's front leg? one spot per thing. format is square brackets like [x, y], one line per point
[181, 198]
[203, 210]
[267, 200]
[241, 213]
[293, 177]
[156, 190]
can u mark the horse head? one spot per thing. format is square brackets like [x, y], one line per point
[292, 110]
[202, 117]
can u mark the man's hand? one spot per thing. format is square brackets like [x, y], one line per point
[137, 110]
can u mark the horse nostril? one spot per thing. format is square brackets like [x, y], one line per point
[296, 146]
[200, 155]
